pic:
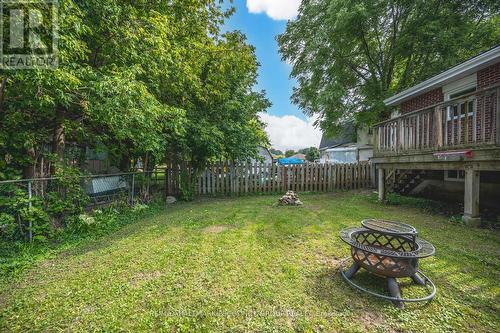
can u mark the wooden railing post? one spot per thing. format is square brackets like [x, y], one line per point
[400, 135]
[438, 124]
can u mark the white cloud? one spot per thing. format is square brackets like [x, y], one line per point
[290, 132]
[275, 9]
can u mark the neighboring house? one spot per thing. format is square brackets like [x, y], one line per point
[445, 133]
[264, 156]
[351, 147]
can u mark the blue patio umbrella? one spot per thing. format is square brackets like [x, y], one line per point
[290, 161]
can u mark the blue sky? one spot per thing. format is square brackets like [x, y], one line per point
[261, 21]
[261, 31]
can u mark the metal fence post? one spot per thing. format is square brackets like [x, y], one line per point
[133, 189]
[30, 195]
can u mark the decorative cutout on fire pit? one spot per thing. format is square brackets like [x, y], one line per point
[387, 244]
[391, 250]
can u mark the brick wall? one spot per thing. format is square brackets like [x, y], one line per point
[421, 101]
[488, 76]
[486, 104]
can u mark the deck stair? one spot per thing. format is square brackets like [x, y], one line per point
[404, 181]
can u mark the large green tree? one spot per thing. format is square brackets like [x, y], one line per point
[154, 80]
[348, 55]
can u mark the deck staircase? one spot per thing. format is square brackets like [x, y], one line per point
[404, 181]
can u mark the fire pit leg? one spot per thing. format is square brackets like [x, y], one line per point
[394, 290]
[352, 270]
[418, 280]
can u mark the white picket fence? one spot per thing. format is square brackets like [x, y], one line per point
[240, 179]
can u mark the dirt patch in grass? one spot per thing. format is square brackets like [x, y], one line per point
[217, 229]
[329, 261]
[371, 319]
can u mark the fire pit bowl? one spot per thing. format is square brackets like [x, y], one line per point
[390, 250]
[385, 254]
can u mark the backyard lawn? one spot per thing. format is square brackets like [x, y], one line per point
[245, 264]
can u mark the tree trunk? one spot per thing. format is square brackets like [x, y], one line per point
[2, 93]
[146, 178]
[58, 139]
[29, 170]
[124, 163]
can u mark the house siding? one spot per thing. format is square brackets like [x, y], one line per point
[421, 101]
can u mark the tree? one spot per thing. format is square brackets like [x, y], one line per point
[275, 152]
[149, 80]
[349, 55]
[289, 153]
[312, 154]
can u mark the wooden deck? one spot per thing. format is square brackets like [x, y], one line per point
[469, 123]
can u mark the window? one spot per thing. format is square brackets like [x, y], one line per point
[454, 175]
[457, 89]
[461, 109]
[343, 156]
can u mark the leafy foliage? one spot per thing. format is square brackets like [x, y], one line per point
[348, 56]
[154, 81]
[276, 152]
[312, 154]
[42, 216]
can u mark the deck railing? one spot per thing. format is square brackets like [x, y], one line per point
[469, 121]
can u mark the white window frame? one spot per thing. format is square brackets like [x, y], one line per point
[457, 87]
[459, 178]
[470, 113]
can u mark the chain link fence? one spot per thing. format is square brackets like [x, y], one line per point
[22, 200]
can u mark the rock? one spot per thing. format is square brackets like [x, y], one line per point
[290, 199]
[171, 200]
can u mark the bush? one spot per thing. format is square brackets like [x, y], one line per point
[7, 225]
[63, 205]
[186, 189]
[68, 199]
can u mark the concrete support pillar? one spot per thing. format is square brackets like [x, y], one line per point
[381, 184]
[471, 197]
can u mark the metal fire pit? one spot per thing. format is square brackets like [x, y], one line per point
[390, 250]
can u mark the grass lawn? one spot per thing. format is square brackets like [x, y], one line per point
[246, 265]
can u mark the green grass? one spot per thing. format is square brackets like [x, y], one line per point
[247, 265]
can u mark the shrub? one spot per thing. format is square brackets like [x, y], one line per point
[68, 199]
[186, 187]
[63, 204]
